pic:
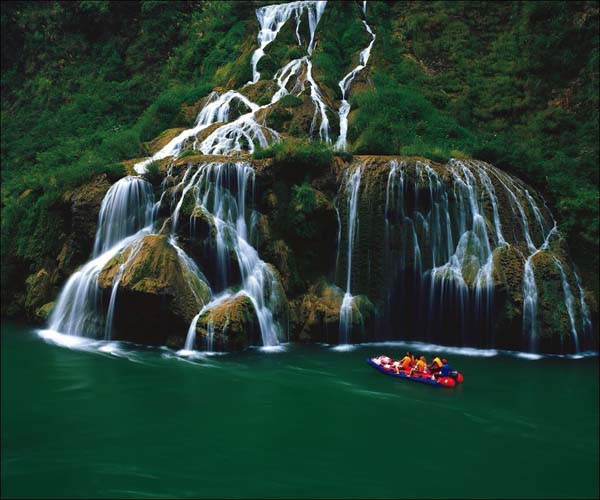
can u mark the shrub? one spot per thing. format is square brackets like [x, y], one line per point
[301, 153]
[153, 175]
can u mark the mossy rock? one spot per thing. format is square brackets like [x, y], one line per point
[259, 92]
[316, 315]
[156, 289]
[83, 205]
[233, 322]
[364, 307]
[553, 313]
[300, 123]
[38, 292]
[159, 142]
[507, 270]
[44, 312]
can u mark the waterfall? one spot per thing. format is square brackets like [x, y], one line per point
[272, 18]
[530, 299]
[244, 132]
[125, 216]
[442, 229]
[344, 85]
[282, 77]
[352, 190]
[320, 106]
[440, 241]
[586, 319]
[569, 302]
[191, 334]
[220, 189]
[113, 294]
[126, 208]
[217, 110]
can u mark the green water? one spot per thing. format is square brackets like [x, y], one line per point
[307, 422]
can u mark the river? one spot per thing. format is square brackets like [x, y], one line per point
[115, 420]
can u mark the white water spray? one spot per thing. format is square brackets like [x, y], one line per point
[344, 85]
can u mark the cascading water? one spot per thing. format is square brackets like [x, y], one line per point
[530, 303]
[126, 208]
[440, 242]
[586, 320]
[244, 132]
[569, 302]
[125, 216]
[345, 85]
[444, 238]
[272, 18]
[352, 190]
[214, 185]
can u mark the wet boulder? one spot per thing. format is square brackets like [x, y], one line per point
[317, 315]
[39, 291]
[197, 234]
[159, 292]
[231, 325]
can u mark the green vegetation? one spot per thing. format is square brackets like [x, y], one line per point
[342, 36]
[303, 203]
[85, 84]
[289, 101]
[188, 152]
[395, 119]
[153, 172]
[515, 84]
[299, 153]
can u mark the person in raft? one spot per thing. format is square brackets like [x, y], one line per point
[420, 366]
[407, 361]
[436, 366]
[447, 370]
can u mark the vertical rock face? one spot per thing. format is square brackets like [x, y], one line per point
[157, 294]
[84, 206]
[442, 250]
[38, 292]
[458, 253]
[76, 215]
[317, 315]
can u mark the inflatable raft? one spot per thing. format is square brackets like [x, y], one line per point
[387, 367]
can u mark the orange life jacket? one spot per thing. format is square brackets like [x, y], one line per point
[406, 362]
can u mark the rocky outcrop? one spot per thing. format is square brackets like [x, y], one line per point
[157, 292]
[84, 205]
[197, 235]
[231, 325]
[156, 144]
[316, 315]
[399, 276]
[64, 243]
[39, 289]
[43, 313]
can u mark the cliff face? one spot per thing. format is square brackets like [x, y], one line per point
[440, 253]
[70, 229]
[320, 244]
